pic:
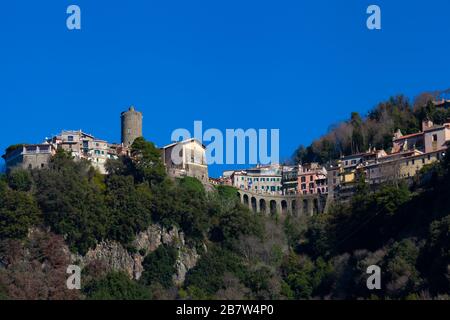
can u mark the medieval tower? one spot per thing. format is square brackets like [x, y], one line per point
[131, 122]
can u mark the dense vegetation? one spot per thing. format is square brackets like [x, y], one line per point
[404, 230]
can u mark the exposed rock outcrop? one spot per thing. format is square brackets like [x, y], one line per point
[115, 257]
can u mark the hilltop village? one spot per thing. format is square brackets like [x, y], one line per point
[157, 237]
[97, 151]
[409, 154]
[283, 185]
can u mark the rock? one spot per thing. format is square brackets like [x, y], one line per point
[113, 255]
[116, 258]
[187, 259]
[149, 240]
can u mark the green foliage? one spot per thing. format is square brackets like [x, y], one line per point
[229, 220]
[18, 213]
[129, 206]
[305, 277]
[192, 185]
[159, 266]
[400, 268]
[115, 286]
[20, 180]
[147, 161]
[435, 256]
[208, 274]
[227, 192]
[72, 204]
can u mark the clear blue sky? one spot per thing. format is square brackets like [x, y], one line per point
[299, 66]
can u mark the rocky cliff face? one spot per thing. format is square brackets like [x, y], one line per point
[115, 257]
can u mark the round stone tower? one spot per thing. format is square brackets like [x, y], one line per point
[131, 121]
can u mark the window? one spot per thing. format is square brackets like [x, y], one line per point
[70, 138]
[434, 137]
[303, 179]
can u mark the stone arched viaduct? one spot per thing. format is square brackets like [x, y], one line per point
[295, 205]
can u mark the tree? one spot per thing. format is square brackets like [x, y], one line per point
[115, 286]
[72, 203]
[18, 213]
[159, 266]
[129, 206]
[147, 161]
[20, 180]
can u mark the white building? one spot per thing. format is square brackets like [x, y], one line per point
[186, 158]
[262, 179]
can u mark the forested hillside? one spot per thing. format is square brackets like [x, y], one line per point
[47, 216]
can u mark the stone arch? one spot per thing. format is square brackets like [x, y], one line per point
[254, 204]
[294, 207]
[315, 206]
[273, 207]
[305, 206]
[284, 207]
[262, 206]
[245, 198]
[239, 196]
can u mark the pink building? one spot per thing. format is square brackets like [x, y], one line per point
[312, 179]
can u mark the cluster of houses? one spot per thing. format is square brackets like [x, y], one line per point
[409, 154]
[191, 158]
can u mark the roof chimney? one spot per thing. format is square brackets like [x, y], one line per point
[426, 124]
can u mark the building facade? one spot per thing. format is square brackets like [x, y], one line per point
[312, 179]
[261, 179]
[186, 158]
[33, 156]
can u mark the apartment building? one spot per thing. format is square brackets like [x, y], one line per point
[312, 179]
[261, 179]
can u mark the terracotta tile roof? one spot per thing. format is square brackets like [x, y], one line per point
[409, 136]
